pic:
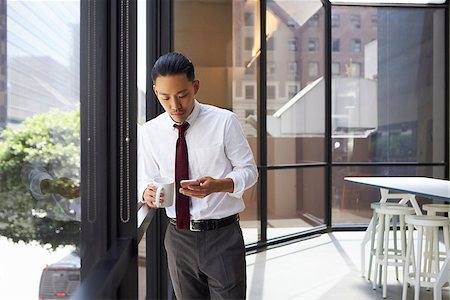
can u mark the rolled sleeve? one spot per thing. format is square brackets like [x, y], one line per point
[245, 172]
[242, 180]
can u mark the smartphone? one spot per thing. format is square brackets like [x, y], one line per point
[189, 182]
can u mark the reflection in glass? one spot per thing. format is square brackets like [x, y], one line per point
[222, 40]
[296, 113]
[39, 149]
[294, 201]
[351, 202]
[388, 101]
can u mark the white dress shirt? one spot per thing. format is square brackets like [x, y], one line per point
[216, 146]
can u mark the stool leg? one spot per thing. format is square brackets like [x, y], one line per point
[403, 240]
[407, 261]
[380, 265]
[428, 253]
[435, 251]
[419, 262]
[386, 250]
[443, 275]
[378, 249]
[394, 231]
[372, 243]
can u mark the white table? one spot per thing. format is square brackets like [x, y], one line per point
[405, 189]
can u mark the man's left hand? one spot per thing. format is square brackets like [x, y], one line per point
[208, 185]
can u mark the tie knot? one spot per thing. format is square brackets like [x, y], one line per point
[182, 128]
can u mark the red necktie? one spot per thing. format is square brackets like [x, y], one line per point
[182, 172]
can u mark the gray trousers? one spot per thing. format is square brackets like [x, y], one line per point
[207, 264]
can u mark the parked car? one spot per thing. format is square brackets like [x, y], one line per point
[60, 280]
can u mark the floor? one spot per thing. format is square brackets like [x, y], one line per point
[321, 268]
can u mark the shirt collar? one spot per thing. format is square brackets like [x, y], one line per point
[192, 117]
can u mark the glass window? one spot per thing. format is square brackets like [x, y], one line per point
[40, 211]
[389, 104]
[313, 44]
[292, 68]
[249, 43]
[299, 116]
[271, 68]
[292, 45]
[336, 45]
[249, 19]
[294, 203]
[356, 45]
[336, 68]
[314, 20]
[250, 92]
[221, 65]
[335, 20]
[374, 21]
[354, 69]
[355, 21]
[271, 91]
[351, 202]
[292, 90]
[313, 69]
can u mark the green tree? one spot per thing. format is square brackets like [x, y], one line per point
[51, 140]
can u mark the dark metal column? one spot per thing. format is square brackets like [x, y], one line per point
[159, 41]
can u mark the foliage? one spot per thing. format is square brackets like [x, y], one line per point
[52, 141]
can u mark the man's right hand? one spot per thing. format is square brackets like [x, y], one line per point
[149, 195]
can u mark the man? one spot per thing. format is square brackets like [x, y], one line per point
[206, 256]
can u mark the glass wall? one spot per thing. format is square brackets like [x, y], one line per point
[222, 40]
[39, 149]
[388, 97]
[295, 115]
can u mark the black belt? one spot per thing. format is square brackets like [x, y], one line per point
[212, 224]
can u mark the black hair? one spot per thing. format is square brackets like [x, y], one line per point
[173, 63]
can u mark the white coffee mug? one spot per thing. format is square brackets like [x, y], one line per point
[167, 187]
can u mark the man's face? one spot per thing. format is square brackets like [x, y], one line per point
[177, 95]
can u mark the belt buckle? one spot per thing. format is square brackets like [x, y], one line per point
[191, 227]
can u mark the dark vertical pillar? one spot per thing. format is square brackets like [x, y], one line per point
[159, 41]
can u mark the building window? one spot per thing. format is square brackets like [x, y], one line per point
[335, 21]
[313, 44]
[291, 23]
[354, 70]
[336, 45]
[271, 92]
[249, 19]
[313, 69]
[292, 90]
[248, 43]
[292, 45]
[292, 68]
[270, 68]
[249, 92]
[355, 21]
[271, 44]
[374, 20]
[356, 46]
[314, 21]
[335, 68]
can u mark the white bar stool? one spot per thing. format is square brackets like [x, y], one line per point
[432, 224]
[372, 249]
[429, 253]
[384, 256]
